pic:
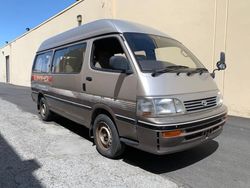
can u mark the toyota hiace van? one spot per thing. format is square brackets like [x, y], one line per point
[130, 85]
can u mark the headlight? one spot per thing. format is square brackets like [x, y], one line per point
[219, 99]
[179, 106]
[153, 107]
[164, 106]
[145, 107]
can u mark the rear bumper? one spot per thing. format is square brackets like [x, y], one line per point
[194, 133]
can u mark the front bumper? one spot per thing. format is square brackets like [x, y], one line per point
[194, 133]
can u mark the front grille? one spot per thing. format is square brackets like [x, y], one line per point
[200, 104]
[205, 133]
[193, 136]
[204, 128]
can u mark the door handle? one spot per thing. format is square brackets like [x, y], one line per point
[89, 78]
[84, 87]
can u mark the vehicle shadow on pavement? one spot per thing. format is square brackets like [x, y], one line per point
[15, 172]
[146, 161]
[72, 126]
[168, 163]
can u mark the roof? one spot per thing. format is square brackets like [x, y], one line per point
[96, 28]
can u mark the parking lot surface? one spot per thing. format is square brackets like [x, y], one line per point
[60, 154]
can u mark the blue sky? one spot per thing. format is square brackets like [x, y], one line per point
[17, 15]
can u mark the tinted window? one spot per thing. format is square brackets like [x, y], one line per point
[69, 60]
[42, 63]
[108, 55]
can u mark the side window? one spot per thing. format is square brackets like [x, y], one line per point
[42, 63]
[38, 64]
[58, 61]
[108, 54]
[69, 60]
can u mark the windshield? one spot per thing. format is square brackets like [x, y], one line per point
[156, 53]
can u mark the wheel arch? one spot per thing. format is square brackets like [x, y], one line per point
[101, 109]
[40, 95]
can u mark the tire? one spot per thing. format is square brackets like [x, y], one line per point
[106, 137]
[44, 111]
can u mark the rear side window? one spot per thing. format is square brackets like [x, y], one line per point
[42, 63]
[69, 60]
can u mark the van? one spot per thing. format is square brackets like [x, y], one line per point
[129, 84]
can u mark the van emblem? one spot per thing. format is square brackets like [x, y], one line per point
[204, 103]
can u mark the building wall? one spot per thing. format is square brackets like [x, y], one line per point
[237, 77]
[206, 27]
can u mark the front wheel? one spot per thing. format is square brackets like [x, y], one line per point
[106, 137]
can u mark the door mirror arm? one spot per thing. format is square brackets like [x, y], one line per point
[213, 73]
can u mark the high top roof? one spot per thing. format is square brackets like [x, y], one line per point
[99, 27]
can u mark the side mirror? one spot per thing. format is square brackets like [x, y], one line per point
[120, 63]
[221, 64]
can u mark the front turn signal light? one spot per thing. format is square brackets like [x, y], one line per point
[169, 134]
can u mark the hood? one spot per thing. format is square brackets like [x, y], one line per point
[173, 84]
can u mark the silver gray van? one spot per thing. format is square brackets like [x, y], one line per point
[130, 85]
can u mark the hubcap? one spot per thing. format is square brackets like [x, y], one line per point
[104, 136]
[43, 109]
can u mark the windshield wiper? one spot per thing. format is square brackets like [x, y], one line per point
[197, 70]
[173, 68]
[177, 67]
[161, 71]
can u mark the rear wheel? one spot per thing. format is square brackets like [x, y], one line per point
[44, 111]
[106, 137]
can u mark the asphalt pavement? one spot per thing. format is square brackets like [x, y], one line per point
[60, 154]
